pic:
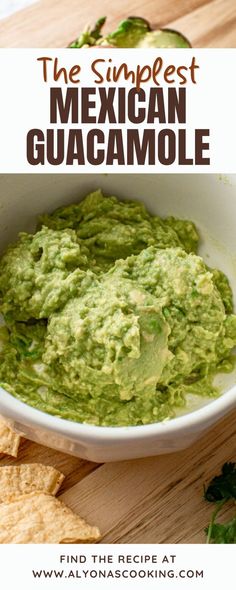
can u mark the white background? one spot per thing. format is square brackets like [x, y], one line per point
[216, 561]
[24, 103]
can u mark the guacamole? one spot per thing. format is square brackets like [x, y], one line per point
[110, 316]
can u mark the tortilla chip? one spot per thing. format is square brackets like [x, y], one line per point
[41, 518]
[9, 440]
[23, 479]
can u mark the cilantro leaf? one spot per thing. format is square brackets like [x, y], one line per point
[90, 35]
[222, 490]
[223, 486]
[223, 533]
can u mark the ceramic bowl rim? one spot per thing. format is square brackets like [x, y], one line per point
[212, 411]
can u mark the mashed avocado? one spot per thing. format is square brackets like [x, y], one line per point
[110, 315]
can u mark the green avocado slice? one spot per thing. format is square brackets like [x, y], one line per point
[164, 38]
[133, 32]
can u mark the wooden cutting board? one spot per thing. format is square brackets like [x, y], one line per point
[154, 500]
[53, 23]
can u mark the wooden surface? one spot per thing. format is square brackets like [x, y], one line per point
[54, 23]
[154, 500]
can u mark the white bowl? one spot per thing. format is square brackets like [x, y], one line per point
[209, 201]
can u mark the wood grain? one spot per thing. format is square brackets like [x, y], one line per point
[221, 24]
[49, 23]
[155, 500]
[73, 468]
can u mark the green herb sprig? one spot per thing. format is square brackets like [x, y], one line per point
[221, 490]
